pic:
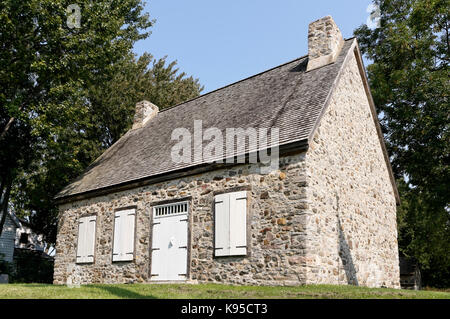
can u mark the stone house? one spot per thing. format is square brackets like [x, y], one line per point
[325, 214]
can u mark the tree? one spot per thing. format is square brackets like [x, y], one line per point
[409, 75]
[46, 65]
[67, 93]
[113, 102]
[111, 111]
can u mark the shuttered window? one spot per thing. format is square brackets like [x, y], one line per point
[86, 239]
[231, 224]
[123, 249]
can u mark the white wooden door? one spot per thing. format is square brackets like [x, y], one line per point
[169, 246]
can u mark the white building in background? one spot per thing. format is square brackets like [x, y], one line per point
[26, 238]
[8, 237]
[17, 233]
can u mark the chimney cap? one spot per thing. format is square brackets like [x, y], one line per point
[325, 42]
[145, 111]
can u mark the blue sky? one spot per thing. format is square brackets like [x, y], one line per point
[221, 42]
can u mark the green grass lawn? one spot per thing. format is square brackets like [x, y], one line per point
[206, 291]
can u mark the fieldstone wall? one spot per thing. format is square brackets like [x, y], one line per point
[278, 203]
[351, 228]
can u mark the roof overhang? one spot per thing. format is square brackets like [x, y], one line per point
[284, 150]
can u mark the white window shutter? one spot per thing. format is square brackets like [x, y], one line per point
[81, 240]
[231, 224]
[123, 246]
[90, 238]
[86, 239]
[238, 223]
[129, 234]
[117, 236]
[222, 225]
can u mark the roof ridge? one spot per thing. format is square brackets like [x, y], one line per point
[244, 79]
[233, 83]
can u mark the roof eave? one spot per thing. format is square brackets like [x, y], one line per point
[284, 149]
[377, 123]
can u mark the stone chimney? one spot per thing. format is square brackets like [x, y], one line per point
[325, 42]
[144, 112]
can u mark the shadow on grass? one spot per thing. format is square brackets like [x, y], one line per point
[34, 285]
[122, 292]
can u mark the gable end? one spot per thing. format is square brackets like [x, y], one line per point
[354, 49]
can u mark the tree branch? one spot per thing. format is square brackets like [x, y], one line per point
[10, 122]
[2, 185]
[7, 126]
[4, 204]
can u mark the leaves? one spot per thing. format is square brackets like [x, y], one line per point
[70, 93]
[131, 80]
[409, 82]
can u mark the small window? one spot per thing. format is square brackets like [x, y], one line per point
[86, 239]
[124, 221]
[23, 238]
[170, 209]
[230, 222]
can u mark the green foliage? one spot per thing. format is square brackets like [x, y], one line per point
[113, 102]
[45, 71]
[70, 93]
[409, 79]
[111, 111]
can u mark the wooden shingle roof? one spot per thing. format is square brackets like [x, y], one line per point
[286, 97]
